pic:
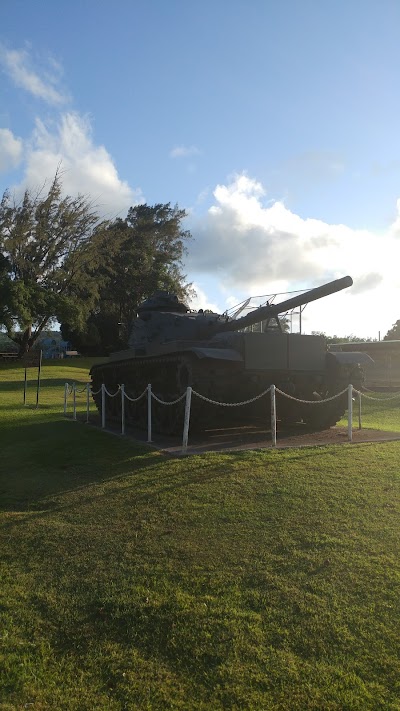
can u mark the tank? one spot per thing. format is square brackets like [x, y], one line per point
[221, 358]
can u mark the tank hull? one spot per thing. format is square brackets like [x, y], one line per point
[226, 376]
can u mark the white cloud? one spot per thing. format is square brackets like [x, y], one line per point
[18, 65]
[251, 247]
[86, 168]
[184, 152]
[200, 300]
[10, 150]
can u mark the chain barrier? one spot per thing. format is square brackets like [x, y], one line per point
[74, 391]
[134, 399]
[81, 391]
[351, 392]
[112, 394]
[378, 399]
[168, 402]
[311, 402]
[230, 404]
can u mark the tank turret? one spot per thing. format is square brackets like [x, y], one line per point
[163, 317]
[172, 347]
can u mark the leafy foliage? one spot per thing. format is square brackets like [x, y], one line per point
[57, 261]
[46, 250]
[351, 338]
[135, 257]
[394, 333]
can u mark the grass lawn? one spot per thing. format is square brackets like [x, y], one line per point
[243, 581]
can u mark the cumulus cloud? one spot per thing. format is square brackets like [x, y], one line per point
[252, 242]
[366, 282]
[18, 65]
[86, 168]
[10, 150]
[254, 246]
[200, 300]
[184, 152]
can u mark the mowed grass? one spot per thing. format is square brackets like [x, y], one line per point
[379, 411]
[252, 580]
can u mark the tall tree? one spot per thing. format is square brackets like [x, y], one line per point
[394, 333]
[46, 243]
[136, 256]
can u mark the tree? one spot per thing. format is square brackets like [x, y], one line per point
[6, 293]
[394, 333]
[343, 339]
[46, 247]
[136, 256]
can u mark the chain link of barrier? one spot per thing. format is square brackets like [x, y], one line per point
[112, 394]
[311, 402]
[230, 404]
[168, 402]
[378, 399]
[74, 391]
[134, 399]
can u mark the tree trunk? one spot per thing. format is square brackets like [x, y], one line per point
[26, 342]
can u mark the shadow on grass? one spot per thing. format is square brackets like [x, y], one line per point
[57, 458]
[20, 408]
[16, 385]
[51, 458]
[42, 461]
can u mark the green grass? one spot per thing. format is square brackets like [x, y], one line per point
[379, 411]
[254, 580]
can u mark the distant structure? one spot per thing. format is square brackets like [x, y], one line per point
[384, 372]
[6, 344]
[8, 349]
[53, 347]
[51, 344]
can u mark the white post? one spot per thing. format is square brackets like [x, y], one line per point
[74, 399]
[350, 413]
[187, 419]
[103, 405]
[66, 386]
[273, 415]
[149, 413]
[359, 410]
[87, 401]
[122, 409]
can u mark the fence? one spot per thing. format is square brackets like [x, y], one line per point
[187, 396]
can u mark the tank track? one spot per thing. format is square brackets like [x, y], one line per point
[169, 377]
[171, 374]
[314, 416]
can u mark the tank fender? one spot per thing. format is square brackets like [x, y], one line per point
[216, 353]
[349, 358]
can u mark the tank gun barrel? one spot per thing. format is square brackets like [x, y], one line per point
[273, 310]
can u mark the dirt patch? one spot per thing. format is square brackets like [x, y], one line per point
[257, 437]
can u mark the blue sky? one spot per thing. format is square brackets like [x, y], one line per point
[274, 124]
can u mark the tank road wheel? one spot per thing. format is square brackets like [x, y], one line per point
[184, 376]
[96, 386]
[288, 412]
[168, 419]
[113, 405]
[136, 412]
[320, 417]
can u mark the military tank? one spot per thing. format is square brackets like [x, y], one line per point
[221, 358]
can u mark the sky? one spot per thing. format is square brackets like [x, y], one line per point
[275, 125]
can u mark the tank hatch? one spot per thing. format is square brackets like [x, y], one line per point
[163, 301]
